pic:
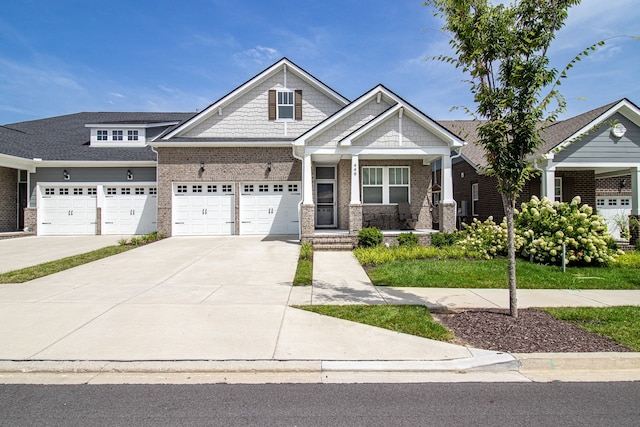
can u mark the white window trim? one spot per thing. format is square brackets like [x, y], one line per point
[557, 189]
[385, 184]
[292, 105]
[475, 197]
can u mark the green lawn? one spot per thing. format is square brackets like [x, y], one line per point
[47, 268]
[304, 271]
[407, 319]
[621, 324]
[493, 274]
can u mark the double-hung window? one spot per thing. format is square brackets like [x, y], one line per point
[558, 189]
[385, 185]
[285, 105]
[474, 199]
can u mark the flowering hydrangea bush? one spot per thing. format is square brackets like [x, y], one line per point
[487, 238]
[542, 226]
[546, 225]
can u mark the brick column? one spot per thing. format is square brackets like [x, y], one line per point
[355, 218]
[308, 222]
[31, 219]
[634, 229]
[447, 216]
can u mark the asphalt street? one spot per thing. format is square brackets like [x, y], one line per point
[566, 404]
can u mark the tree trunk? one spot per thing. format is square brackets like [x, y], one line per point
[509, 204]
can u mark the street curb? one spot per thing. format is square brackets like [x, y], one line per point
[602, 361]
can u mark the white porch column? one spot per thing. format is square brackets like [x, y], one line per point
[548, 183]
[307, 183]
[635, 191]
[355, 180]
[447, 179]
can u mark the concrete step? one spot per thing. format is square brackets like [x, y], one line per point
[332, 246]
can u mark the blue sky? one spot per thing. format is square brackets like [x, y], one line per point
[67, 56]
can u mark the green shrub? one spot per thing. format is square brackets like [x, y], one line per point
[487, 238]
[135, 241]
[547, 225]
[382, 255]
[441, 240]
[408, 239]
[629, 259]
[123, 242]
[369, 237]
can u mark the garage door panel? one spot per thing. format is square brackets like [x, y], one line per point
[273, 209]
[204, 210]
[129, 210]
[61, 212]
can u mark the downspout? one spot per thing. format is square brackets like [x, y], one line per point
[295, 156]
[158, 186]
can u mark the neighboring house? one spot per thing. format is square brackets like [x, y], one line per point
[281, 154]
[595, 155]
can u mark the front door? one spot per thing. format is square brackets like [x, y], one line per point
[325, 197]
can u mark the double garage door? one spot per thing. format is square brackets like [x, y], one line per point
[210, 209]
[73, 210]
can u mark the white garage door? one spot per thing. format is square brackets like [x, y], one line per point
[67, 210]
[269, 208]
[203, 209]
[129, 210]
[615, 211]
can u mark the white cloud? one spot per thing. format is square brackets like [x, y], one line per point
[259, 55]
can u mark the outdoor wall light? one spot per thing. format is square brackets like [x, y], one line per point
[129, 175]
[269, 167]
[65, 175]
[201, 166]
[623, 184]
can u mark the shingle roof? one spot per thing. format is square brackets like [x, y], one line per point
[67, 138]
[552, 134]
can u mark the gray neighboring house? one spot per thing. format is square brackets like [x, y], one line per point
[281, 154]
[595, 155]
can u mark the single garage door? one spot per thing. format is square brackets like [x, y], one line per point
[269, 208]
[203, 209]
[615, 211]
[129, 210]
[67, 210]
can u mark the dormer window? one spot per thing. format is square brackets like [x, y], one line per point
[285, 105]
[132, 135]
[102, 135]
[116, 135]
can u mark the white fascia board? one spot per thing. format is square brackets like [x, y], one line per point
[15, 162]
[341, 114]
[624, 107]
[241, 90]
[379, 152]
[130, 125]
[209, 144]
[596, 165]
[93, 164]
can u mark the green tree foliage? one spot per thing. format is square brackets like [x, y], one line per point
[503, 48]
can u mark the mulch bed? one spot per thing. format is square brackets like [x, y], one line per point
[532, 332]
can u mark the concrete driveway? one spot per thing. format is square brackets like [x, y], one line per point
[28, 251]
[198, 298]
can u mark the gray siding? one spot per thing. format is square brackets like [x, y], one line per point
[97, 175]
[600, 146]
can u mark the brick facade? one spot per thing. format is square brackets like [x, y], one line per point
[574, 183]
[228, 165]
[8, 199]
[618, 186]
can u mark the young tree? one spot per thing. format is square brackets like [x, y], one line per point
[504, 50]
